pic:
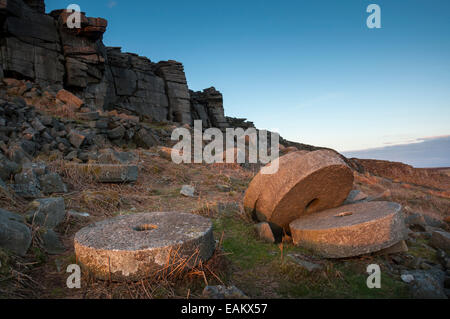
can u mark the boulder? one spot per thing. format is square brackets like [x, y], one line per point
[305, 264]
[7, 168]
[350, 230]
[76, 138]
[265, 232]
[304, 184]
[69, 99]
[441, 240]
[110, 156]
[52, 243]
[27, 184]
[400, 247]
[145, 139]
[188, 191]
[52, 183]
[15, 236]
[355, 196]
[47, 212]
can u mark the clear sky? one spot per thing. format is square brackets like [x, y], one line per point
[309, 69]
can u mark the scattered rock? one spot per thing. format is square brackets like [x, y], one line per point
[188, 191]
[265, 232]
[223, 292]
[227, 207]
[27, 185]
[355, 196]
[427, 284]
[370, 227]
[52, 244]
[165, 152]
[76, 138]
[15, 236]
[407, 278]
[47, 212]
[441, 240]
[309, 266]
[52, 183]
[400, 247]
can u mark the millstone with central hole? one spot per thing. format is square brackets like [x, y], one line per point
[351, 230]
[304, 184]
[134, 247]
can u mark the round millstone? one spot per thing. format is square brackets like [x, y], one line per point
[305, 183]
[351, 230]
[134, 247]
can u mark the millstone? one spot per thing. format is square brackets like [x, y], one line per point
[134, 247]
[350, 230]
[108, 173]
[304, 183]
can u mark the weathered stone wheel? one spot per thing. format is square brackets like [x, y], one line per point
[351, 230]
[304, 184]
[134, 247]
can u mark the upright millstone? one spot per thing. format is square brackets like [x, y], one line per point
[304, 184]
[351, 230]
[134, 247]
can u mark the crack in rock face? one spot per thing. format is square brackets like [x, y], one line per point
[133, 247]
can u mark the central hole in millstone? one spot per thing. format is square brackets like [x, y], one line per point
[312, 205]
[344, 214]
[145, 227]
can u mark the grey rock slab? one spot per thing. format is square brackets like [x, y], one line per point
[52, 183]
[15, 236]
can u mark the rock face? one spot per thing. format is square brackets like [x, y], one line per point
[104, 77]
[304, 184]
[15, 236]
[133, 247]
[350, 230]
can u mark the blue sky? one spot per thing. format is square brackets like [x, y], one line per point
[309, 69]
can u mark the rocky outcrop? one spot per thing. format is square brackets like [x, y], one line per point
[103, 77]
[399, 172]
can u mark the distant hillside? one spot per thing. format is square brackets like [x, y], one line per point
[431, 152]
